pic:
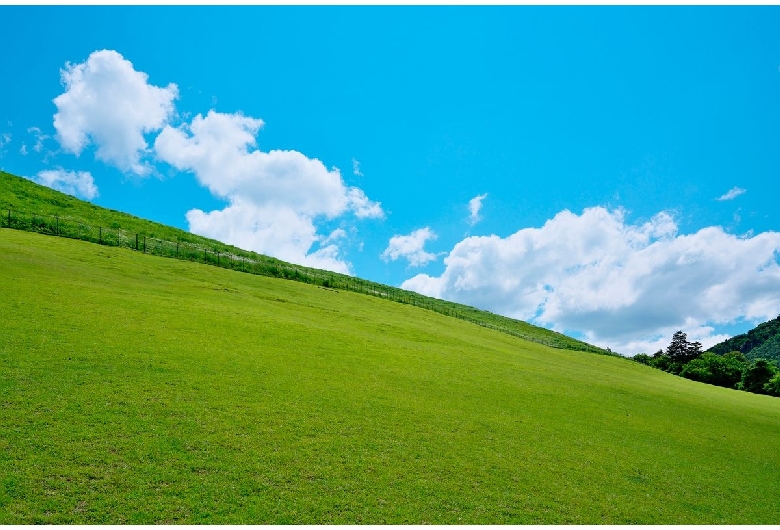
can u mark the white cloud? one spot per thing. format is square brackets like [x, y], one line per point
[275, 231]
[108, 103]
[23, 150]
[356, 168]
[362, 206]
[625, 286]
[337, 234]
[76, 183]
[216, 149]
[286, 185]
[475, 205]
[731, 194]
[411, 247]
[39, 138]
[5, 139]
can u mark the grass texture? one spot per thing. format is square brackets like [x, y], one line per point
[25, 205]
[137, 389]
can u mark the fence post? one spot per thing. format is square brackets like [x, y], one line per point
[218, 258]
[9, 218]
[58, 224]
[100, 237]
[136, 241]
[144, 244]
[177, 250]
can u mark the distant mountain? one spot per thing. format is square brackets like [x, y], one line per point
[761, 342]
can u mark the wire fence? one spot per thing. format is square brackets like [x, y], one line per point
[253, 263]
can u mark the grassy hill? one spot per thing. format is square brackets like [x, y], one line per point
[26, 205]
[761, 342]
[136, 389]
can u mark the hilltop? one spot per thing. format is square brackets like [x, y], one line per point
[761, 342]
[26, 205]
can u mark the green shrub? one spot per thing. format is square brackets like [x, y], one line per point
[758, 375]
[714, 370]
[773, 386]
[643, 358]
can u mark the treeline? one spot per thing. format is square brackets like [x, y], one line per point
[761, 342]
[730, 370]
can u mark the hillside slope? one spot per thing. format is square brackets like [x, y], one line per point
[761, 342]
[26, 205]
[136, 389]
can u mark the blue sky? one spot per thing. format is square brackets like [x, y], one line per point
[599, 138]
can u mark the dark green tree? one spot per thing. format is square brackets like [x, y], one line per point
[773, 386]
[642, 358]
[714, 370]
[758, 375]
[661, 361]
[731, 370]
[699, 370]
[737, 356]
[680, 350]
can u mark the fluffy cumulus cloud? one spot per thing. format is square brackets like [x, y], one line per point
[76, 183]
[111, 105]
[273, 230]
[624, 286]
[475, 205]
[274, 197]
[411, 247]
[733, 193]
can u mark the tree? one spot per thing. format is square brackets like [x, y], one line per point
[642, 358]
[661, 361]
[681, 351]
[736, 355]
[731, 370]
[714, 370]
[699, 370]
[758, 375]
[773, 386]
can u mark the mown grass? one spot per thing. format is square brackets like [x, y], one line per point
[26, 205]
[136, 389]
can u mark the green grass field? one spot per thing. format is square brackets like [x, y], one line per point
[139, 389]
[25, 205]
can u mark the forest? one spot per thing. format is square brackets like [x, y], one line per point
[748, 362]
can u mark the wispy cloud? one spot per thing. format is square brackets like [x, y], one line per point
[732, 194]
[334, 236]
[39, 138]
[475, 205]
[356, 168]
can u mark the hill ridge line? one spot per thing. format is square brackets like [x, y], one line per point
[58, 226]
[241, 260]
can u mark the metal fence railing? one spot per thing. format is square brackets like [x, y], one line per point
[258, 264]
